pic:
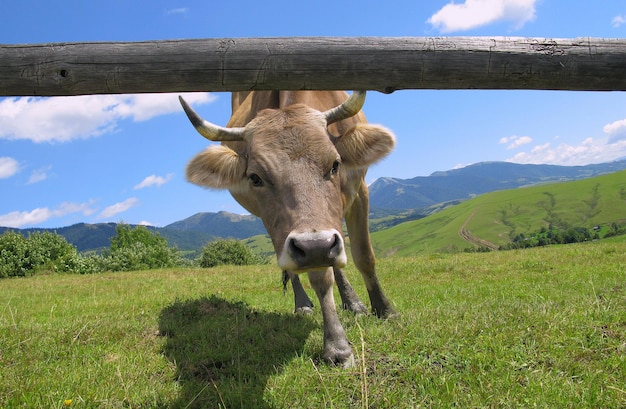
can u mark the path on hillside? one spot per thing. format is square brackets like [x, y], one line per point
[468, 236]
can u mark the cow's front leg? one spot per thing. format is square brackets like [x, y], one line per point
[363, 254]
[349, 300]
[336, 346]
[302, 301]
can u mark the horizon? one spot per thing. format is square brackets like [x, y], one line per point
[369, 185]
[110, 158]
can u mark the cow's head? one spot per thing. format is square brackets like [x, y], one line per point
[288, 169]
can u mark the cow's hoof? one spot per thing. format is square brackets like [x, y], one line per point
[384, 311]
[349, 362]
[303, 310]
[345, 361]
[357, 307]
[340, 355]
[389, 314]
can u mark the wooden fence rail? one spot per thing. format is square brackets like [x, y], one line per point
[316, 63]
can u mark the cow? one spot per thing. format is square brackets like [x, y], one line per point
[297, 160]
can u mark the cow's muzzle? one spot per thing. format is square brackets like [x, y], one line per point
[311, 250]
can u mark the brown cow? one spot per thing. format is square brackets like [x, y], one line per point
[297, 159]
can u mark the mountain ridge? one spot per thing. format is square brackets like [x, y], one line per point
[392, 201]
[498, 218]
[476, 179]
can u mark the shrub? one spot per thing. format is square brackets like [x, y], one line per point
[138, 249]
[20, 256]
[13, 250]
[220, 252]
[617, 229]
[51, 252]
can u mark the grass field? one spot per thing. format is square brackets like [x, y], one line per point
[543, 327]
[498, 216]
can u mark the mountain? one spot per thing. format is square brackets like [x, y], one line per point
[495, 219]
[191, 233]
[221, 224]
[472, 180]
[393, 201]
[90, 237]
[83, 236]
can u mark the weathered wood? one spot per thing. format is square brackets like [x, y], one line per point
[372, 63]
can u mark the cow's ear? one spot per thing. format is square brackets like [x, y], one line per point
[218, 167]
[365, 144]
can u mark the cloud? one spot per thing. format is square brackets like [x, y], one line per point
[62, 119]
[39, 175]
[154, 180]
[475, 13]
[588, 151]
[515, 141]
[180, 10]
[618, 20]
[8, 167]
[20, 219]
[616, 130]
[118, 208]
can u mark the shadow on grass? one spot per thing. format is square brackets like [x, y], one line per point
[225, 351]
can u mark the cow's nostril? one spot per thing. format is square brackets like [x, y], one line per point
[295, 249]
[336, 247]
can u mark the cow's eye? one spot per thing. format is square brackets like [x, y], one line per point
[335, 168]
[256, 180]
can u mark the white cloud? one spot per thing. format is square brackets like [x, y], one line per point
[8, 167]
[588, 151]
[20, 219]
[154, 180]
[118, 208]
[475, 13]
[62, 119]
[616, 130]
[181, 10]
[618, 20]
[39, 175]
[515, 141]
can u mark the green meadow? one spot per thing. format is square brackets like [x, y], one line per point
[542, 327]
[497, 217]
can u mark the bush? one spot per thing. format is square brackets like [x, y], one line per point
[13, 249]
[131, 249]
[550, 236]
[232, 252]
[138, 249]
[20, 256]
[617, 229]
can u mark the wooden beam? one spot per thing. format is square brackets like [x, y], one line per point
[315, 63]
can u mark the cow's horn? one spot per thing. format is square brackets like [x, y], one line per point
[211, 131]
[348, 109]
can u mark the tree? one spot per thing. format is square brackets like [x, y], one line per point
[13, 249]
[139, 249]
[233, 252]
[20, 256]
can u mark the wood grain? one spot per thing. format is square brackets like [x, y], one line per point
[315, 63]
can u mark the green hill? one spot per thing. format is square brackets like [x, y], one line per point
[494, 219]
[260, 244]
[490, 220]
[476, 179]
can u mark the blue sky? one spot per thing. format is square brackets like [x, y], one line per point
[122, 157]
